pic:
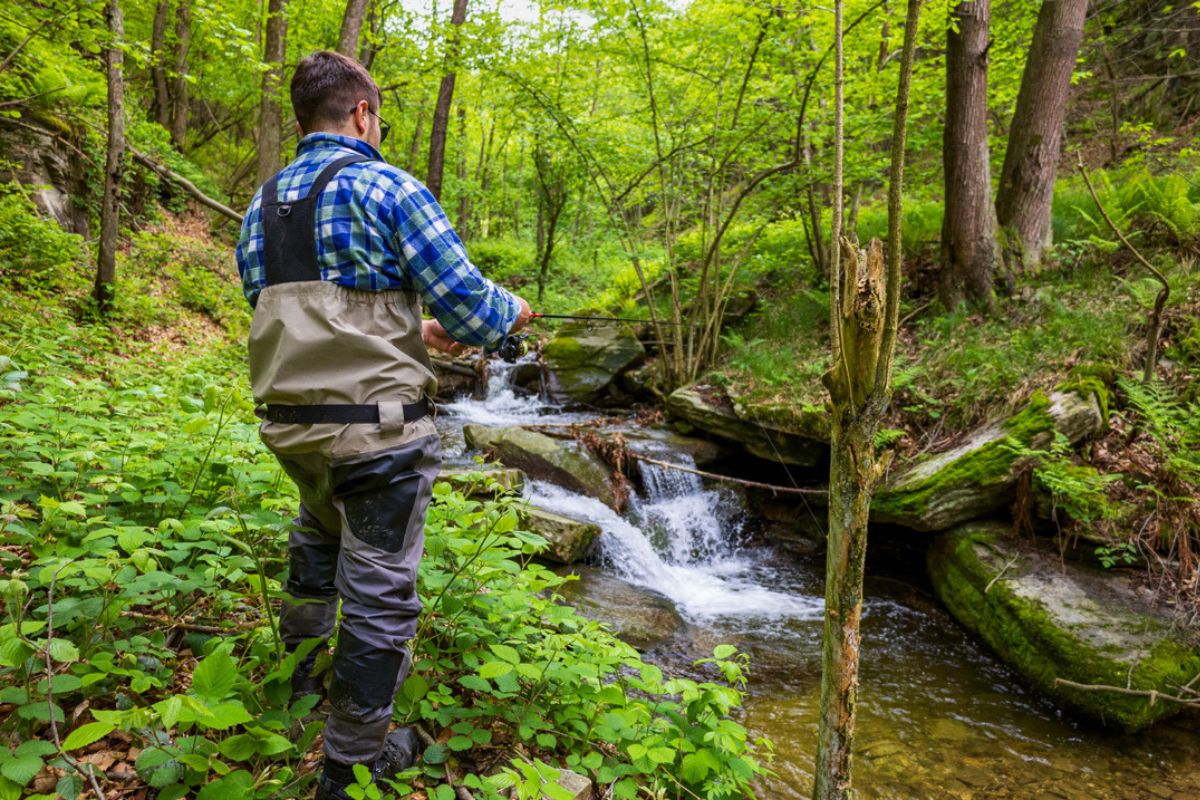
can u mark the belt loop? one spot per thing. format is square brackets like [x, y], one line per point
[391, 417]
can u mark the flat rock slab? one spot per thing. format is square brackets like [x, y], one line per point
[980, 475]
[800, 441]
[582, 360]
[569, 539]
[638, 616]
[566, 463]
[1050, 620]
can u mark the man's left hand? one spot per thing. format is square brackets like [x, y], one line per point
[436, 338]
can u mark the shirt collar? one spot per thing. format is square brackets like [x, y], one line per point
[322, 140]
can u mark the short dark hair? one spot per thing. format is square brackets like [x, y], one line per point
[325, 87]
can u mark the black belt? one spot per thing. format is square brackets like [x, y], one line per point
[339, 414]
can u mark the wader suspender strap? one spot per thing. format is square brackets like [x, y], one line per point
[290, 229]
[290, 256]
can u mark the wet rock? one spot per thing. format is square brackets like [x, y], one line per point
[483, 482]
[798, 440]
[577, 786]
[667, 445]
[570, 539]
[644, 382]
[563, 462]
[980, 475]
[1051, 620]
[641, 617]
[582, 361]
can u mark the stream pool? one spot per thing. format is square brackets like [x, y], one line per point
[938, 715]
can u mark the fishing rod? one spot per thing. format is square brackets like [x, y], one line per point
[514, 346]
[602, 319]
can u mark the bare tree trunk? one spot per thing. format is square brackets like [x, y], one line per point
[370, 46]
[352, 22]
[460, 172]
[441, 111]
[110, 220]
[158, 70]
[1035, 137]
[970, 250]
[414, 148]
[270, 134]
[179, 89]
[552, 200]
[864, 315]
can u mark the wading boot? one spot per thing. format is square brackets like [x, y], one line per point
[400, 750]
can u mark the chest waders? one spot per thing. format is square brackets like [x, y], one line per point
[342, 377]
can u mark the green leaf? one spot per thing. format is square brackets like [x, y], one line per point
[21, 769]
[36, 747]
[63, 651]
[225, 715]
[69, 786]
[494, 669]
[415, 687]
[661, 755]
[459, 743]
[444, 792]
[436, 754]
[86, 734]
[232, 787]
[724, 651]
[215, 676]
[694, 767]
[505, 652]
[238, 748]
[14, 652]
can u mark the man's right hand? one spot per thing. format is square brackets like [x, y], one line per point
[523, 318]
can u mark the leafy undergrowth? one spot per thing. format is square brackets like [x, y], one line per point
[143, 529]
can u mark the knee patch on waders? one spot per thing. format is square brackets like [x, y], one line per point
[364, 676]
[380, 494]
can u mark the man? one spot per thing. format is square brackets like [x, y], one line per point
[336, 254]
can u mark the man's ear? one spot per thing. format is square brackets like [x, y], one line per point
[299, 131]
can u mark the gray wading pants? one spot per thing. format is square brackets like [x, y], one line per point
[360, 535]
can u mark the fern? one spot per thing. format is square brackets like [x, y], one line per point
[1174, 426]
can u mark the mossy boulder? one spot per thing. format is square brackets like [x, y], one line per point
[564, 462]
[582, 361]
[799, 440]
[569, 539]
[980, 475]
[1048, 619]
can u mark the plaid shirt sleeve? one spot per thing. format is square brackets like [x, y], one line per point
[471, 308]
[249, 251]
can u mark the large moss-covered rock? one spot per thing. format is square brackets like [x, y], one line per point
[1052, 620]
[563, 462]
[582, 361]
[569, 539]
[799, 440]
[979, 476]
[639, 616]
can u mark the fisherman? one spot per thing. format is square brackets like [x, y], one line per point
[337, 253]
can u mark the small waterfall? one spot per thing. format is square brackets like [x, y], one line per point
[680, 540]
[501, 405]
[701, 525]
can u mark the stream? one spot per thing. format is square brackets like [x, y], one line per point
[938, 715]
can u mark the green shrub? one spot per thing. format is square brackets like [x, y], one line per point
[36, 255]
[503, 260]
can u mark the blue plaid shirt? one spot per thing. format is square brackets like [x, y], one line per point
[380, 229]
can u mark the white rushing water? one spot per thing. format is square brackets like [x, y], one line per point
[678, 538]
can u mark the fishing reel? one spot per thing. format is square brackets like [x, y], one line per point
[513, 347]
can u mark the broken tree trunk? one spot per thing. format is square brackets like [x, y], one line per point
[864, 317]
